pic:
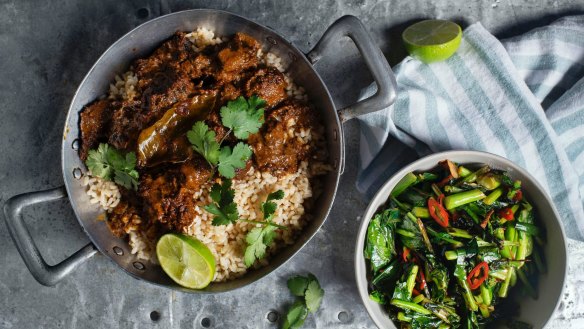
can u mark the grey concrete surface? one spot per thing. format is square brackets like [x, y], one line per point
[46, 47]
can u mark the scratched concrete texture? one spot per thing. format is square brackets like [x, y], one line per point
[46, 47]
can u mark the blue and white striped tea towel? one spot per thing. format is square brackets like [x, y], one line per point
[521, 98]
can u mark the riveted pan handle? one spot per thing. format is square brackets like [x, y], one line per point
[351, 26]
[40, 270]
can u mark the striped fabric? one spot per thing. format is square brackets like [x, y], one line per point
[521, 98]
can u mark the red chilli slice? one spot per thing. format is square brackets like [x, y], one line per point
[478, 275]
[518, 196]
[422, 279]
[406, 255]
[506, 213]
[438, 212]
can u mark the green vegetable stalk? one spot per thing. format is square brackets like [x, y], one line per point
[408, 180]
[459, 199]
[493, 196]
[421, 212]
[504, 288]
[463, 171]
[489, 181]
[460, 275]
[486, 294]
[473, 176]
[411, 280]
[410, 306]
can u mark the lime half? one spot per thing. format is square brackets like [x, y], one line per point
[432, 40]
[186, 260]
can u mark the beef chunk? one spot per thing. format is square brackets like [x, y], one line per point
[166, 76]
[200, 65]
[159, 97]
[269, 84]
[123, 218]
[95, 119]
[238, 55]
[169, 55]
[276, 147]
[126, 123]
[229, 93]
[168, 195]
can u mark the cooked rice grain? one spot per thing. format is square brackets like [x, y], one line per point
[102, 192]
[124, 87]
[227, 243]
[202, 38]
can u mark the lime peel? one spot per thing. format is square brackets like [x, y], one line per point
[432, 40]
[186, 260]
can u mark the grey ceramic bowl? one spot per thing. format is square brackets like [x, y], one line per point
[536, 312]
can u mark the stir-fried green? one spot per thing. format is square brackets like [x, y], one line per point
[449, 246]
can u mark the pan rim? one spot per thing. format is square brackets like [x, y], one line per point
[72, 111]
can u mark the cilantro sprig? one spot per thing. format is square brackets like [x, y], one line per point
[310, 293]
[229, 159]
[110, 164]
[259, 238]
[224, 209]
[242, 117]
[204, 142]
[269, 207]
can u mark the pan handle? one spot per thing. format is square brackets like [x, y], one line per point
[351, 26]
[40, 270]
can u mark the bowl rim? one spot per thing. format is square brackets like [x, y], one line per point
[374, 204]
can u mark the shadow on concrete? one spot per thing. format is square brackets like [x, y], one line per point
[534, 22]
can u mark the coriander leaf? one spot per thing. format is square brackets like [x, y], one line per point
[243, 117]
[296, 316]
[278, 195]
[223, 216]
[115, 159]
[227, 193]
[256, 102]
[313, 295]
[216, 192]
[255, 246]
[130, 161]
[204, 142]
[257, 241]
[269, 207]
[98, 164]
[230, 160]
[269, 234]
[128, 180]
[224, 209]
[297, 285]
[107, 162]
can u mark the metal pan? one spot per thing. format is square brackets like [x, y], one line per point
[139, 43]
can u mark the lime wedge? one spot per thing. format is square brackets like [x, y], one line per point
[186, 260]
[432, 40]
